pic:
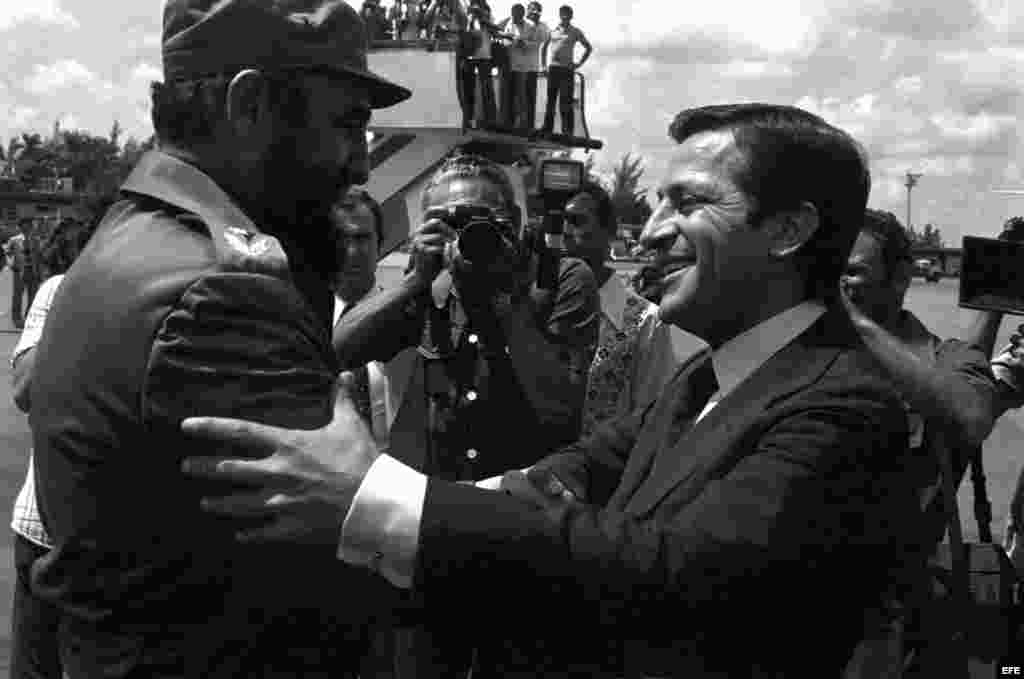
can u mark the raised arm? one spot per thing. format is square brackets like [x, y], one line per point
[958, 394]
[383, 325]
[380, 327]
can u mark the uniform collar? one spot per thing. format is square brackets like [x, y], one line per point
[173, 181]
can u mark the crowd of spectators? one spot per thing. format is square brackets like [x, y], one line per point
[512, 52]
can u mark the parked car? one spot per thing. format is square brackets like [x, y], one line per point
[928, 269]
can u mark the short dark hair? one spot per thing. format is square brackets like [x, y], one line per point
[565, 9]
[355, 197]
[605, 207]
[792, 156]
[462, 165]
[536, 4]
[885, 228]
[187, 111]
[518, 5]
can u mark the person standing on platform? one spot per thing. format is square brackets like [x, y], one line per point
[560, 54]
[522, 51]
[536, 50]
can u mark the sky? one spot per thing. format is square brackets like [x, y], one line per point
[929, 86]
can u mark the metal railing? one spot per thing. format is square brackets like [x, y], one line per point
[580, 131]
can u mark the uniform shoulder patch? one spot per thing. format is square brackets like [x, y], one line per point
[250, 251]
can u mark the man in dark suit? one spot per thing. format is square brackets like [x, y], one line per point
[736, 527]
[204, 289]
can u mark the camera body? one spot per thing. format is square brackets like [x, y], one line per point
[992, 275]
[559, 180]
[481, 232]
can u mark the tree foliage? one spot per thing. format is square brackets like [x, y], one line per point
[629, 197]
[96, 165]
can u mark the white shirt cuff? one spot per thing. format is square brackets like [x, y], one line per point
[492, 483]
[382, 527]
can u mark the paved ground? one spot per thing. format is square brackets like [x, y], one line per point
[935, 304]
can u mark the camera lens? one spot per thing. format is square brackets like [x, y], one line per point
[480, 243]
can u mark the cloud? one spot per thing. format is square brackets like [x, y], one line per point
[148, 72]
[69, 122]
[745, 68]
[13, 12]
[59, 74]
[918, 19]
[23, 115]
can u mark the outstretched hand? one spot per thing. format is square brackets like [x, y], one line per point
[302, 481]
[538, 487]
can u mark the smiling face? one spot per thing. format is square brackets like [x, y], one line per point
[712, 262]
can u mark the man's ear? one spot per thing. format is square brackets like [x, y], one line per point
[788, 230]
[247, 108]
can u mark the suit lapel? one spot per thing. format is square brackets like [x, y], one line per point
[708, 447]
[656, 423]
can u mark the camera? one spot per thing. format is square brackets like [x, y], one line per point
[481, 232]
[992, 275]
[559, 180]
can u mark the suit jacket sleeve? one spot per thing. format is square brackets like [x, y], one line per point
[592, 468]
[818, 478]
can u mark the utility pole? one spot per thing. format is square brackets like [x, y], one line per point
[912, 178]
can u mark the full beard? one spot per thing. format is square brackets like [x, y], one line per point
[297, 213]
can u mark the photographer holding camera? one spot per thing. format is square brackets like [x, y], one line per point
[502, 363]
[498, 354]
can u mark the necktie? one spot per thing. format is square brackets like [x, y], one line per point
[361, 394]
[689, 392]
[699, 388]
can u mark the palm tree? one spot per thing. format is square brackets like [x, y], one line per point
[14, 147]
[629, 199]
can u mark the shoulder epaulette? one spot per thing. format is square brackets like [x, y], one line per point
[240, 249]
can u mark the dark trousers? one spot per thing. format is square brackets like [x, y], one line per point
[472, 71]
[509, 98]
[517, 109]
[23, 284]
[34, 622]
[560, 82]
[17, 292]
[530, 104]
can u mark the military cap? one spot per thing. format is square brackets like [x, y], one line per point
[206, 37]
